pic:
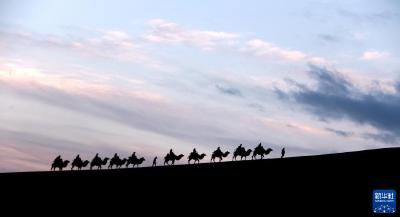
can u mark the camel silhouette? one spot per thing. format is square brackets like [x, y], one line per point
[134, 161]
[79, 164]
[59, 164]
[118, 162]
[219, 154]
[98, 162]
[242, 153]
[172, 157]
[196, 157]
[121, 162]
[259, 150]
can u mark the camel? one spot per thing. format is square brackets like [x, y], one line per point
[219, 154]
[259, 150]
[59, 164]
[242, 153]
[135, 161]
[196, 157]
[79, 164]
[172, 157]
[118, 162]
[121, 162]
[97, 161]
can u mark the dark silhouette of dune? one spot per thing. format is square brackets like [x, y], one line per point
[338, 183]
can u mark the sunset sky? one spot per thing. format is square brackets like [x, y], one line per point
[86, 77]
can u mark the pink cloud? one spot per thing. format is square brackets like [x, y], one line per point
[164, 31]
[24, 77]
[374, 55]
[265, 49]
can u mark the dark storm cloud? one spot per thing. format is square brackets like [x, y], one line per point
[335, 98]
[339, 132]
[228, 90]
[328, 38]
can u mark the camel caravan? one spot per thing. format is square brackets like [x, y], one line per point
[169, 159]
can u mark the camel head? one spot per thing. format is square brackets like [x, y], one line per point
[269, 150]
[226, 154]
[202, 156]
[248, 152]
[105, 160]
[179, 156]
[85, 163]
[65, 163]
[141, 160]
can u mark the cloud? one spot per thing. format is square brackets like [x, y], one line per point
[369, 17]
[228, 90]
[335, 98]
[265, 49]
[107, 44]
[388, 138]
[25, 78]
[139, 109]
[374, 55]
[339, 132]
[328, 38]
[163, 31]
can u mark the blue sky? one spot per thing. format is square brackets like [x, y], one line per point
[121, 76]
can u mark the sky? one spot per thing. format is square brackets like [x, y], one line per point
[86, 77]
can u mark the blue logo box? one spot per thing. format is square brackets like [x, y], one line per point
[384, 201]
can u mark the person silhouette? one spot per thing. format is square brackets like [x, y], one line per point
[116, 156]
[195, 151]
[218, 151]
[154, 162]
[96, 158]
[171, 153]
[283, 152]
[134, 155]
[58, 160]
[239, 149]
[78, 159]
